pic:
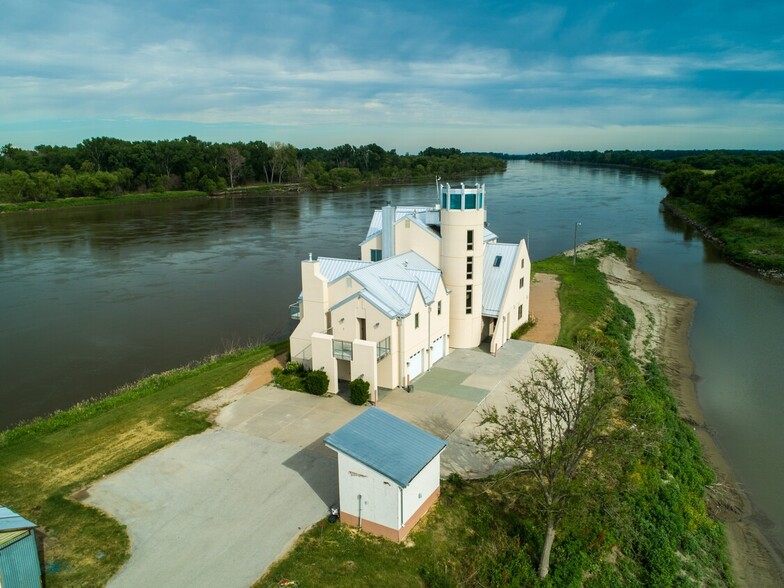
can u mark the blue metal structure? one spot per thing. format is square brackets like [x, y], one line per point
[19, 563]
[386, 444]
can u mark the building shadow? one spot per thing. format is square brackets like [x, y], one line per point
[318, 466]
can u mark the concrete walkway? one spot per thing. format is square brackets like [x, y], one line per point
[217, 509]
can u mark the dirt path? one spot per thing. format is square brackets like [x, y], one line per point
[545, 310]
[663, 320]
[257, 377]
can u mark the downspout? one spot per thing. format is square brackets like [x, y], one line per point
[402, 522]
[401, 354]
[429, 341]
[359, 496]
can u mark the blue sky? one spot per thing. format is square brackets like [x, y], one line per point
[504, 76]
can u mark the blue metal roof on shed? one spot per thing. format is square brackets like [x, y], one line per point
[10, 521]
[386, 444]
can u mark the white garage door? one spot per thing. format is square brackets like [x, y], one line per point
[414, 365]
[439, 349]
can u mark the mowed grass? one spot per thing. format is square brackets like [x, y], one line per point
[43, 463]
[583, 293]
[77, 202]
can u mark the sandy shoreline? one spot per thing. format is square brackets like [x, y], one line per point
[663, 323]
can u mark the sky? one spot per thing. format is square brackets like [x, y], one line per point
[516, 77]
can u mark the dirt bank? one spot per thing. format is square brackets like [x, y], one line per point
[663, 323]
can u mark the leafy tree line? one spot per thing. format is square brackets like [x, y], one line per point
[731, 191]
[666, 160]
[103, 167]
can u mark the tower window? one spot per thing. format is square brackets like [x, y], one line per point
[469, 299]
[497, 261]
[455, 201]
[470, 201]
[469, 268]
[470, 240]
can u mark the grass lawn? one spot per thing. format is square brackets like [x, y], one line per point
[43, 463]
[76, 202]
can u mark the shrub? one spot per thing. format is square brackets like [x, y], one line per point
[295, 368]
[289, 382]
[359, 391]
[316, 382]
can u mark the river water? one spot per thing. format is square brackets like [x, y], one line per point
[93, 298]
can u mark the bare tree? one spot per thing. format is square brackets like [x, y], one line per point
[552, 431]
[234, 161]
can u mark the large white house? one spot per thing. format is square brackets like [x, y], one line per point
[429, 279]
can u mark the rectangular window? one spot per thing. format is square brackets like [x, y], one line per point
[470, 201]
[383, 348]
[469, 268]
[522, 263]
[443, 200]
[343, 349]
[519, 312]
[481, 199]
[497, 261]
[455, 201]
[470, 240]
[416, 321]
[361, 327]
[375, 255]
[469, 301]
[439, 307]
[522, 281]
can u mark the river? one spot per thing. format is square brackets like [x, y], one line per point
[93, 298]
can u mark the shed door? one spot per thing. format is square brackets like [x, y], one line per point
[415, 365]
[439, 347]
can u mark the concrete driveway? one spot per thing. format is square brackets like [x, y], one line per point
[218, 508]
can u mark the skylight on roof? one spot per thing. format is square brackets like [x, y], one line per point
[497, 261]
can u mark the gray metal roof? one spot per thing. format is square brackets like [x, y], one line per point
[400, 213]
[489, 236]
[495, 279]
[333, 268]
[10, 521]
[386, 444]
[390, 284]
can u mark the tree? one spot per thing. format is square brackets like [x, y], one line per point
[552, 431]
[234, 161]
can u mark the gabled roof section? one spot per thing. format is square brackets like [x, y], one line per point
[400, 212]
[386, 444]
[10, 521]
[496, 277]
[333, 268]
[390, 284]
[489, 236]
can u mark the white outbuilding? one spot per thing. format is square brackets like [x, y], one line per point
[388, 473]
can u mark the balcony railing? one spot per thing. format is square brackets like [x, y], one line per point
[295, 311]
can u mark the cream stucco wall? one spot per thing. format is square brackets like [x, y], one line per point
[315, 302]
[372, 243]
[514, 297]
[465, 329]
[409, 236]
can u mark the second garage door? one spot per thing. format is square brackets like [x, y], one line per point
[439, 349]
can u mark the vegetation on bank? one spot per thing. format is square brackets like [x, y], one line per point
[44, 462]
[104, 168]
[734, 197]
[644, 525]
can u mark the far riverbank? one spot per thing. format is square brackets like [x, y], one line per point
[664, 321]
